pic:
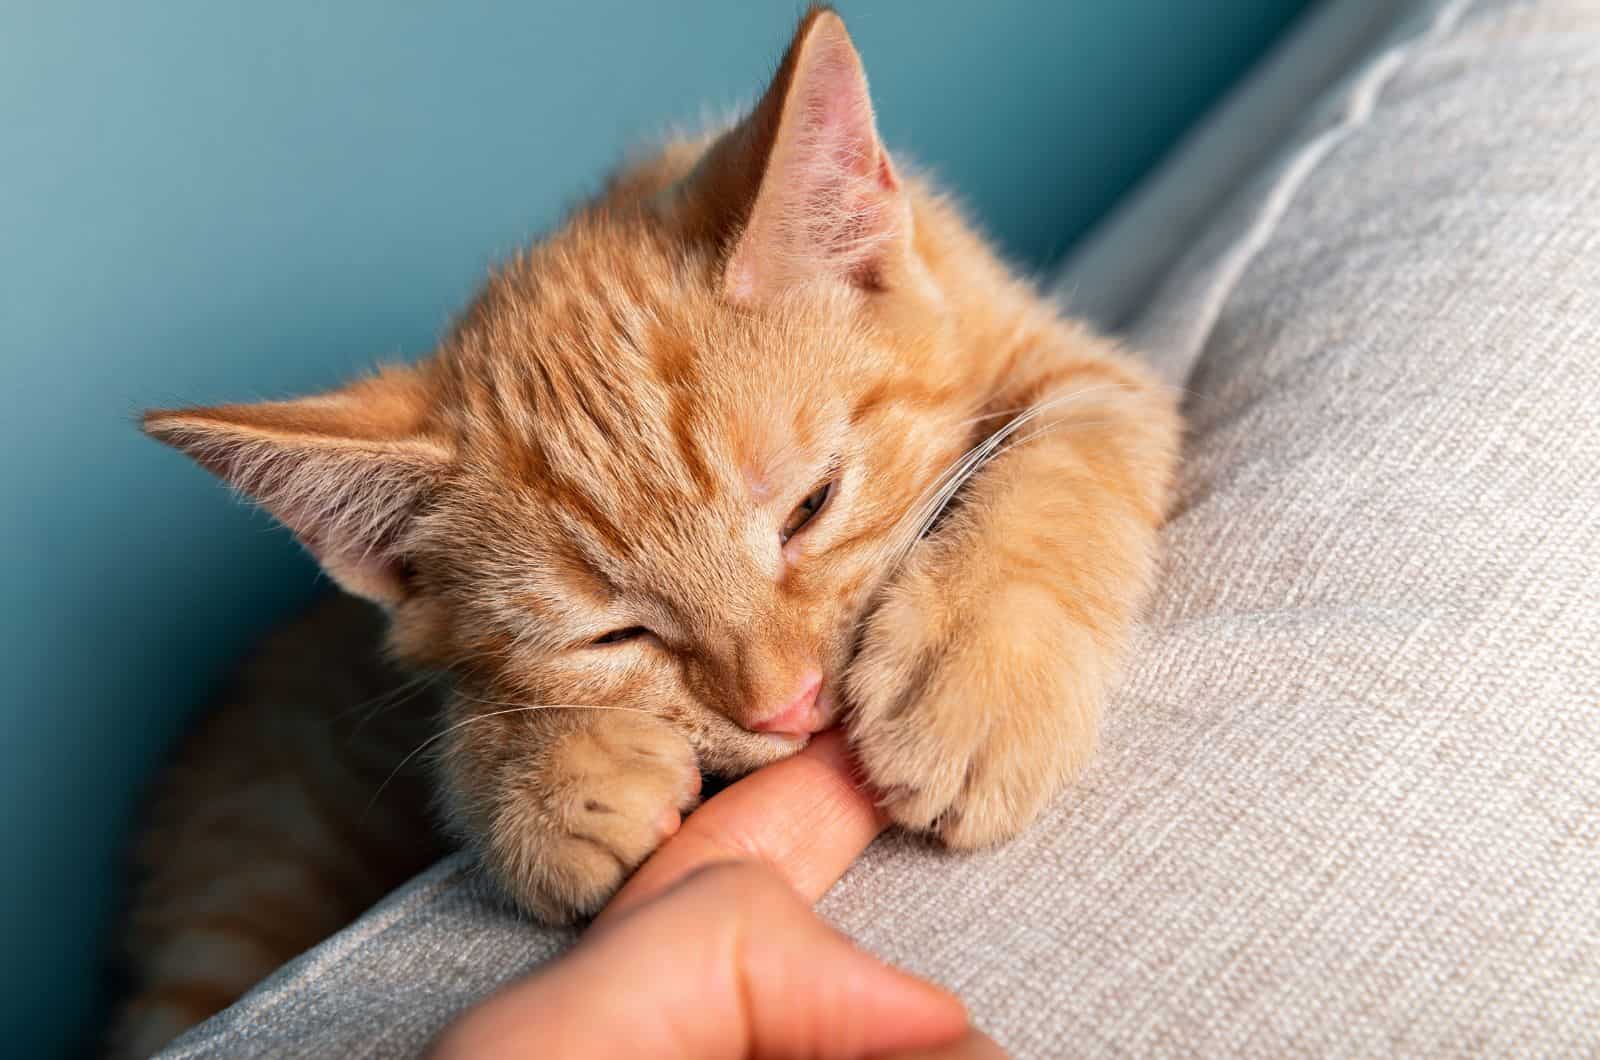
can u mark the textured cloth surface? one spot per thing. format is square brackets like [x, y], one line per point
[1110, 273]
[1348, 801]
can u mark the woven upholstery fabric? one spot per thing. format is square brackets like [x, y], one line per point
[1348, 801]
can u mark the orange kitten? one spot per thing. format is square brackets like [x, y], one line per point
[763, 439]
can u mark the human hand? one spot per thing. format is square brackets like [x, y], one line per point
[711, 949]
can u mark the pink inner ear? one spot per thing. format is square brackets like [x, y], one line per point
[837, 114]
[347, 498]
[829, 204]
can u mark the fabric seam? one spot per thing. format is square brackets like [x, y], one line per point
[1364, 96]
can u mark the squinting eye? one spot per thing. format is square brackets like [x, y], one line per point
[806, 512]
[617, 636]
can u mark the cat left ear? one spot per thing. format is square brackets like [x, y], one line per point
[829, 205]
[345, 471]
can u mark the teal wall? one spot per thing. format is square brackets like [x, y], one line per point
[205, 201]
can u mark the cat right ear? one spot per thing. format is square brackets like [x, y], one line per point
[345, 471]
[804, 185]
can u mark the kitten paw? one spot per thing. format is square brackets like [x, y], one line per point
[608, 793]
[969, 718]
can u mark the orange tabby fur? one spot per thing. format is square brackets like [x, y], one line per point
[613, 437]
[264, 837]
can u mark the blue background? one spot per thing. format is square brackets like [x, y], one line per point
[208, 201]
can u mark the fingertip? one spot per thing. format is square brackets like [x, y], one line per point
[806, 817]
[888, 1009]
[973, 1045]
[905, 1000]
[830, 749]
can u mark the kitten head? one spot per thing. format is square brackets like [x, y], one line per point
[667, 456]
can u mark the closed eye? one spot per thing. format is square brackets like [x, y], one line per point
[806, 511]
[618, 636]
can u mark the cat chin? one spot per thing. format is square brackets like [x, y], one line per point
[787, 743]
[729, 750]
[733, 754]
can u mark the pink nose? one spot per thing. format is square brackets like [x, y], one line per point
[801, 715]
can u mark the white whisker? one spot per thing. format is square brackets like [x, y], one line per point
[388, 700]
[933, 500]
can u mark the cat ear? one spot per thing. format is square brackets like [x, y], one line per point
[828, 204]
[344, 470]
